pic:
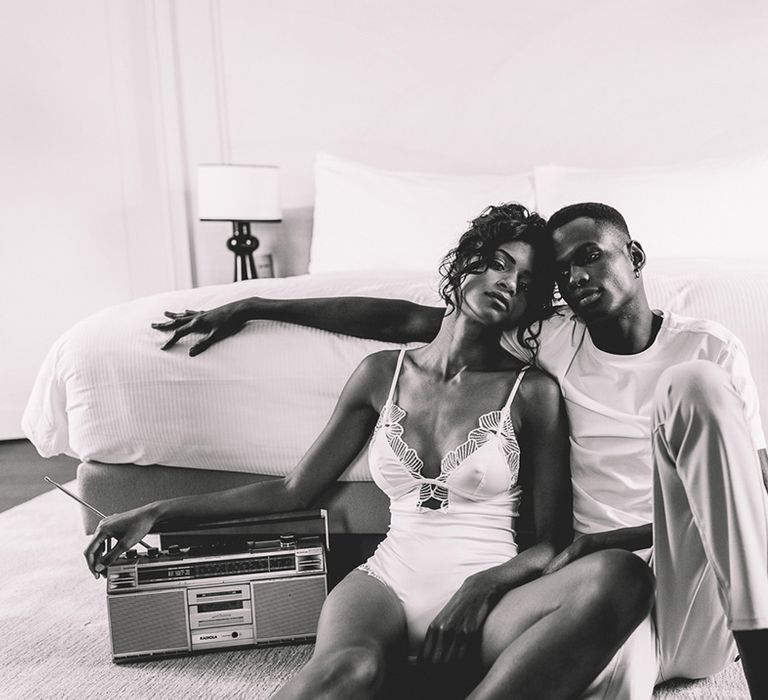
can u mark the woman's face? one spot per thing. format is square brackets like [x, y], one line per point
[499, 295]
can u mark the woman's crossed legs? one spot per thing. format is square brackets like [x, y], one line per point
[548, 638]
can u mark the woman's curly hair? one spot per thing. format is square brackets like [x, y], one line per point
[497, 225]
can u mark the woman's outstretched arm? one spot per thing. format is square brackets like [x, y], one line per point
[393, 320]
[341, 440]
[544, 456]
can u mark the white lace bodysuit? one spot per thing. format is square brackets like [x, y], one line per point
[429, 552]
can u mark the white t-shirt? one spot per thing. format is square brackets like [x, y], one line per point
[608, 399]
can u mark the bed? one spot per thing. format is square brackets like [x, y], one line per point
[148, 424]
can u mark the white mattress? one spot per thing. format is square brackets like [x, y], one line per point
[253, 403]
[256, 401]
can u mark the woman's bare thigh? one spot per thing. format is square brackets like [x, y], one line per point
[522, 607]
[361, 611]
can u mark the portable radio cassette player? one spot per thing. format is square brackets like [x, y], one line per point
[227, 592]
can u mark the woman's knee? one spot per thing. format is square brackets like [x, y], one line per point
[620, 585]
[355, 671]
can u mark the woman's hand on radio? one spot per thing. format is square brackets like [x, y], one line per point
[127, 528]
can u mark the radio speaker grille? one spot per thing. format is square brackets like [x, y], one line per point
[288, 607]
[148, 622]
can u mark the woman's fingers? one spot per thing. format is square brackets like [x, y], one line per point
[120, 547]
[181, 314]
[179, 334]
[98, 559]
[177, 319]
[203, 344]
[93, 552]
[437, 647]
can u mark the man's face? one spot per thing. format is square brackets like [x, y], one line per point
[596, 273]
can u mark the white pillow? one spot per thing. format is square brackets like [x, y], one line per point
[713, 208]
[366, 218]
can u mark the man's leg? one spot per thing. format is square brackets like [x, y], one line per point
[632, 672]
[710, 522]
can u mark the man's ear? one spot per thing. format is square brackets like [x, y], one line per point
[637, 254]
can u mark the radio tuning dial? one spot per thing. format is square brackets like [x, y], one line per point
[287, 541]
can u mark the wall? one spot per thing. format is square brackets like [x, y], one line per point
[492, 87]
[108, 106]
[88, 185]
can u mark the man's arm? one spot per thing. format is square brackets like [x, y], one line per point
[629, 538]
[392, 320]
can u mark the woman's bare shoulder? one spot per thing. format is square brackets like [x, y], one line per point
[376, 371]
[381, 361]
[539, 386]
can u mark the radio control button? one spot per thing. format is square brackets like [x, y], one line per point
[131, 554]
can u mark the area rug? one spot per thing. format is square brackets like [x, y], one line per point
[54, 641]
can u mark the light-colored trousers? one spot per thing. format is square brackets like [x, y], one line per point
[710, 537]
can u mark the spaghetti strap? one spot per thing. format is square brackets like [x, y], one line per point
[397, 374]
[512, 393]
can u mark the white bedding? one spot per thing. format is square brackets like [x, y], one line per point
[255, 402]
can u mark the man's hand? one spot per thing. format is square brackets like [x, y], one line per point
[576, 550]
[454, 635]
[217, 324]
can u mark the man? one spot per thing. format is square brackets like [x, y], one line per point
[666, 442]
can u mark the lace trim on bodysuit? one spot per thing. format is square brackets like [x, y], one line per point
[365, 568]
[488, 425]
[389, 420]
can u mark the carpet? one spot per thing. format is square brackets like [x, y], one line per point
[55, 639]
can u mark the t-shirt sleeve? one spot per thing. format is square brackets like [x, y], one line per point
[733, 359]
[555, 341]
[514, 347]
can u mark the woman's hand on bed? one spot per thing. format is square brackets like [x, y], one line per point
[216, 324]
[127, 528]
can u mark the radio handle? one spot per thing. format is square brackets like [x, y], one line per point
[178, 526]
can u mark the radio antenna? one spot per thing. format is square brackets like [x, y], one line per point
[87, 505]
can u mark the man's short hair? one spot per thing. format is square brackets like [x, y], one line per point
[600, 213]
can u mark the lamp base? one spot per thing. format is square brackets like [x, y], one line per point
[242, 244]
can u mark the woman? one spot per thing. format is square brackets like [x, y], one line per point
[454, 427]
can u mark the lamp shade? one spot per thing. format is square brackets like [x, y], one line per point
[238, 193]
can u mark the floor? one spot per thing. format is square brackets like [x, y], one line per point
[22, 470]
[21, 478]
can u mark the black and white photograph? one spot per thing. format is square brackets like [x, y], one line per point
[384, 350]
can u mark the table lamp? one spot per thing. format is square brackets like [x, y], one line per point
[240, 194]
